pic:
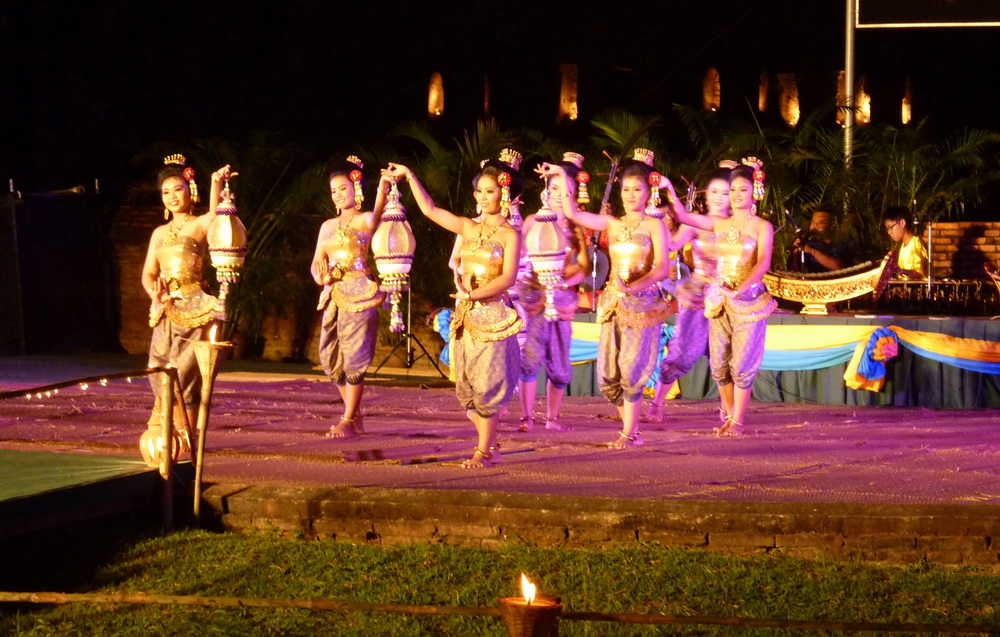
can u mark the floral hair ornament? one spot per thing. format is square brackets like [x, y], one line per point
[512, 158]
[758, 176]
[655, 179]
[504, 180]
[356, 176]
[728, 163]
[645, 156]
[582, 177]
[189, 174]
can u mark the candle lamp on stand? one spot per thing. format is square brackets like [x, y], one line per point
[530, 615]
[210, 354]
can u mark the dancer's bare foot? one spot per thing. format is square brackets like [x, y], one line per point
[624, 441]
[346, 428]
[655, 413]
[553, 424]
[481, 459]
[729, 429]
[527, 424]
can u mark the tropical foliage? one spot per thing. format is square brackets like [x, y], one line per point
[282, 194]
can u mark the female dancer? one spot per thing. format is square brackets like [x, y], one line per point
[547, 342]
[350, 296]
[737, 302]
[631, 308]
[182, 310]
[690, 341]
[484, 327]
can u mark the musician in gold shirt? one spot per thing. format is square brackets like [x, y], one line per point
[913, 262]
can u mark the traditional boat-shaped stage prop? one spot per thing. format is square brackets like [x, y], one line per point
[819, 292]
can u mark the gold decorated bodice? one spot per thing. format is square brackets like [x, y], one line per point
[181, 262]
[704, 256]
[735, 260]
[347, 250]
[190, 304]
[633, 257]
[352, 288]
[481, 263]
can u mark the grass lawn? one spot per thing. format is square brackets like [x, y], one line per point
[633, 579]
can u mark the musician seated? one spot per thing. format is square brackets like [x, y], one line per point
[913, 262]
[818, 250]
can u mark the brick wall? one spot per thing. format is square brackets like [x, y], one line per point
[959, 249]
[130, 232]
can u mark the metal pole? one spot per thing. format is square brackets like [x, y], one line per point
[849, 80]
[408, 334]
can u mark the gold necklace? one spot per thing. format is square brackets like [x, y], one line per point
[733, 235]
[626, 234]
[477, 243]
[340, 233]
[171, 237]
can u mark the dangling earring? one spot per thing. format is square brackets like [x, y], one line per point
[753, 210]
[166, 214]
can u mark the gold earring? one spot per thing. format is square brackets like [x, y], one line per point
[166, 214]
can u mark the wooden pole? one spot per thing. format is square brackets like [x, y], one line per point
[168, 378]
[483, 611]
[244, 602]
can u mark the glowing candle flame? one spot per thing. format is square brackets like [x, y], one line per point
[212, 333]
[527, 589]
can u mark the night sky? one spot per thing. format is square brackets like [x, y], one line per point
[89, 85]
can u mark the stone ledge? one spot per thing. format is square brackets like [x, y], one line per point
[950, 534]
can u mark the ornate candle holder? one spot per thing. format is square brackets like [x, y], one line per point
[162, 444]
[227, 246]
[546, 245]
[530, 616]
[210, 355]
[393, 246]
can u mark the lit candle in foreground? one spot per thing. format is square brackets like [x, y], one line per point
[527, 589]
[529, 615]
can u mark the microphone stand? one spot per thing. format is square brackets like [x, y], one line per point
[408, 338]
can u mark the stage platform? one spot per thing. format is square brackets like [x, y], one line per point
[42, 490]
[854, 482]
[915, 378]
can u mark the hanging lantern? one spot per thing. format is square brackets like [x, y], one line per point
[227, 245]
[547, 245]
[393, 246]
